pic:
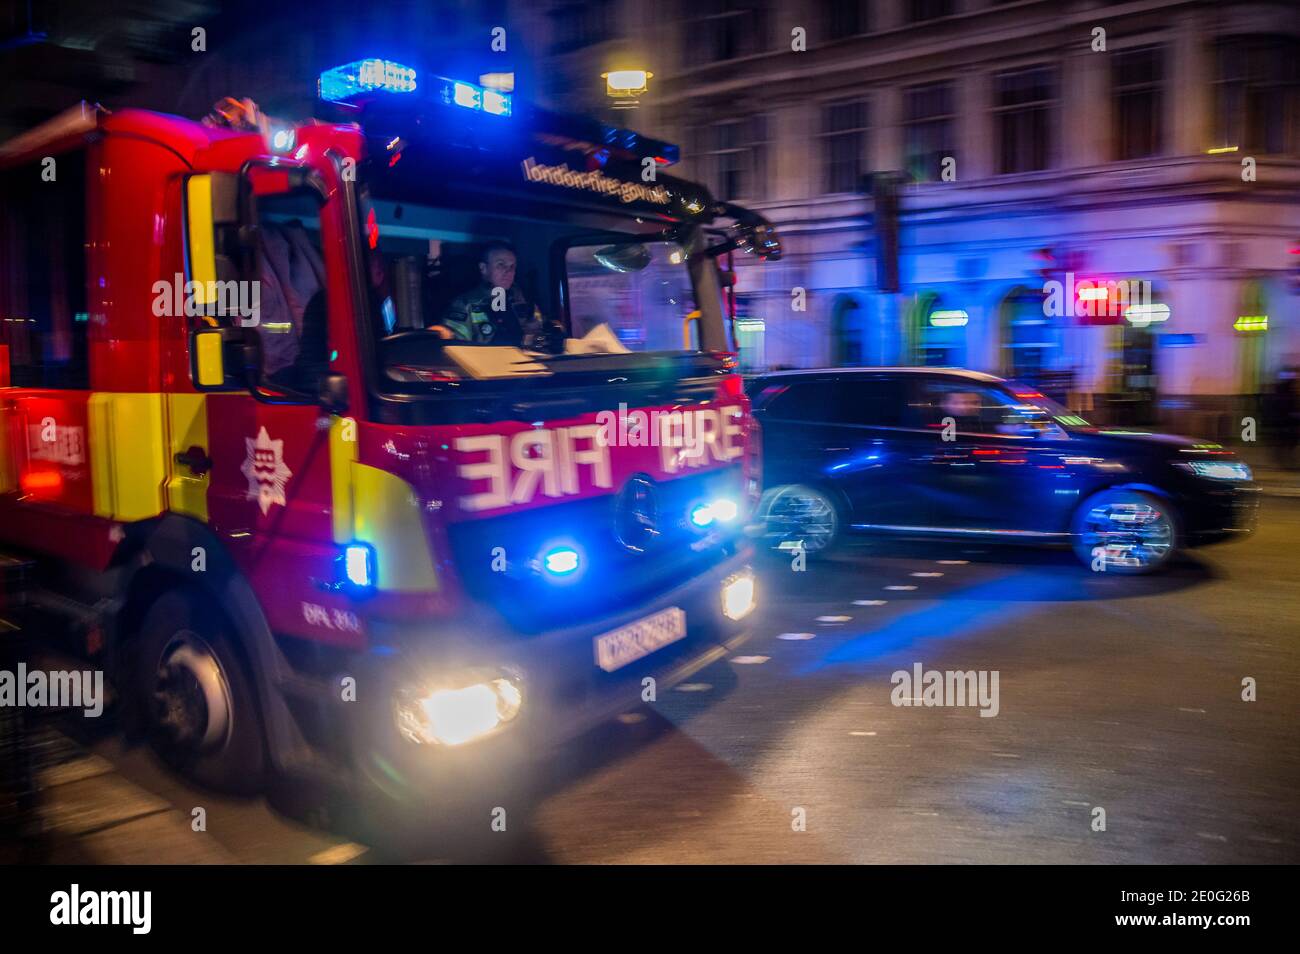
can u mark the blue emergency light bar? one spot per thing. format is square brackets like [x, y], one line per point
[471, 96]
[364, 76]
[353, 81]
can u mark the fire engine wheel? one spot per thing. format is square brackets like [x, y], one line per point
[797, 517]
[1125, 531]
[199, 705]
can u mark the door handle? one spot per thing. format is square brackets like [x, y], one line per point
[196, 459]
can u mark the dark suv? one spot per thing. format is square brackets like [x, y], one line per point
[953, 453]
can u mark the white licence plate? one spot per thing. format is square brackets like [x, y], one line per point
[616, 649]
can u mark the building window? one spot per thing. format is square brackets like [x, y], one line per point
[721, 30]
[844, 137]
[930, 129]
[921, 10]
[1026, 102]
[1257, 94]
[582, 24]
[735, 155]
[845, 18]
[1137, 77]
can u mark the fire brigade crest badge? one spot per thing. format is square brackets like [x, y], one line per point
[264, 467]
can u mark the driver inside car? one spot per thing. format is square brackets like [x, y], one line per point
[496, 311]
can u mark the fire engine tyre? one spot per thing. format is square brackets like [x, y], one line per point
[197, 700]
[797, 515]
[1126, 532]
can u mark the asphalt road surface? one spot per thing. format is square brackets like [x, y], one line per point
[1114, 693]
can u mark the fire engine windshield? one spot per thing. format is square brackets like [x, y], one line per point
[555, 280]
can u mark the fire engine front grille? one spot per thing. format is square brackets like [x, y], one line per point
[611, 577]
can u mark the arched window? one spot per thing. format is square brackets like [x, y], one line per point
[1030, 339]
[848, 332]
[939, 332]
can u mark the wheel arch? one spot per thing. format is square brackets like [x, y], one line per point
[159, 556]
[1136, 486]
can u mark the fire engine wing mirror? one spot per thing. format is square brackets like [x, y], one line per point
[751, 233]
[220, 358]
[623, 258]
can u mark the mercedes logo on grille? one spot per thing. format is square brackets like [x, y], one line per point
[636, 516]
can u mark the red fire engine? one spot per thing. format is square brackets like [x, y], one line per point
[303, 532]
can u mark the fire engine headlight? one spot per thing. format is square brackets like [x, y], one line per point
[739, 595]
[457, 714]
[722, 510]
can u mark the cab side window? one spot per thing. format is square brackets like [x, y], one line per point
[43, 313]
[293, 320]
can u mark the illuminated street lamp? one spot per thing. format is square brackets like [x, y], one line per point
[624, 86]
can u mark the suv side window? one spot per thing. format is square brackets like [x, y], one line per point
[801, 401]
[872, 400]
[860, 399]
[976, 408]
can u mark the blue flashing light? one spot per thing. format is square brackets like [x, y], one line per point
[364, 76]
[344, 83]
[496, 102]
[561, 561]
[722, 510]
[467, 95]
[472, 96]
[359, 564]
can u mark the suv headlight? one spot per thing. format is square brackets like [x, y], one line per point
[1216, 469]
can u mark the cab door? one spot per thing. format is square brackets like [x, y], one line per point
[270, 457]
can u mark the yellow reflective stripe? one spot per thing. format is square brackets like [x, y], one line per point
[203, 260]
[128, 465]
[187, 426]
[343, 453]
[387, 516]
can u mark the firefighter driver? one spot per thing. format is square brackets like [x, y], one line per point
[514, 321]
